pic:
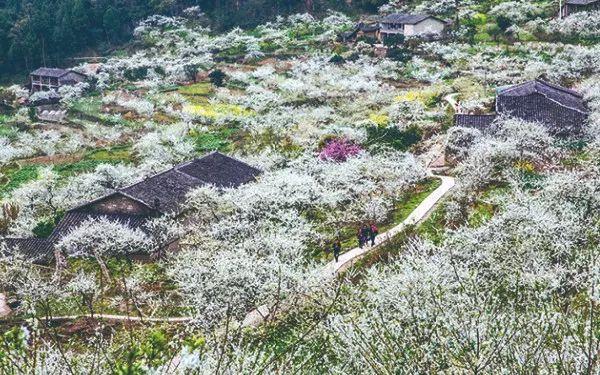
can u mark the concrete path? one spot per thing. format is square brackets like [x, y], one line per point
[414, 218]
[256, 317]
[121, 318]
[184, 319]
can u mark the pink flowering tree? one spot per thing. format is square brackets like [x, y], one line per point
[339, 150]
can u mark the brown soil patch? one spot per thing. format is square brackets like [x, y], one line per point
[52, 159]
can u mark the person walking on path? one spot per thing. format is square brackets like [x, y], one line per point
[360, 236]
[337, 249]
[373, 233]
[365, 232]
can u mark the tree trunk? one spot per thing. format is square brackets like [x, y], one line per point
[309, 6]
[61, 264]
[103, 267]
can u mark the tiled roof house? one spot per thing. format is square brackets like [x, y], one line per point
[163, 193]
[575, 6]
[46, 79]
[561, 110]
[410, 25]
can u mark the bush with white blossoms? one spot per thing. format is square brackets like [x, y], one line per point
[259, 232]
[138, 105]
[475, 292]
[516, 11]
[496, 153]
[164, 147]
[70, 93]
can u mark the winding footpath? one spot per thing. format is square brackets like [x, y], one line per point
[332, 269]
[418, 215]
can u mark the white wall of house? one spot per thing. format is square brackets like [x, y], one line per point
[427, 26]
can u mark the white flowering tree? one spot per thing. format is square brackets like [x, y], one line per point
[103, 237]
[249, 246]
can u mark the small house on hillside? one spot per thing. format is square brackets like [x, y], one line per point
[135, 205]
[481, 122]
[561, 110]
[574, 6]
[410, 25]
[46, 79]
[361, 29]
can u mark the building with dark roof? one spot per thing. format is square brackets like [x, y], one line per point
[575, 6]
[410, 25]
[160, 194]
[38, 250]
[361, 29]
[47, 79]
[561, 110]
[481, 122]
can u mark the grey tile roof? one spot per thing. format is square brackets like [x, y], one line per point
[220, 170]
[565, 97]
[50, 72]
[169, 187]
[581, 2]
[74, 219]
[474, 121]
[38, 250]
[407, 19]
[368, 28]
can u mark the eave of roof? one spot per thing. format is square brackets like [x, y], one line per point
[408, 19]
[562, 96]
[39, 250]
[467, 120]
[581, 2]
[50, 72]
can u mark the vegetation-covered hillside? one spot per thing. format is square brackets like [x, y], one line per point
[50, 32]
[347, 135]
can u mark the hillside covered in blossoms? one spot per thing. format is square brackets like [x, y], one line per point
[368, 187]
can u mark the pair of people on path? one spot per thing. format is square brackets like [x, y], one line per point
[367, 233]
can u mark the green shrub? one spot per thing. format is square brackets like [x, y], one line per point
[197, 89]
[32, 113]
[212, 140]
[44, 228]
[394, 40]
[217, 77]
[8, 131]
[367, 39]
[136, 74]
[393, 137]
[268, 46]
[15, 176]
[336, 59]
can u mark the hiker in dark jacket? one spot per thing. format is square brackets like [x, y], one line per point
[361, 238]
[337, 249]
[374, 231]
[365, 233]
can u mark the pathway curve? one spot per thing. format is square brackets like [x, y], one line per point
[255, 317]
[415, 217]
[183, 319]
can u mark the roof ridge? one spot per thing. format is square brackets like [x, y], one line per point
[560, 88]
[176, 169]
[545, 83]
[514, 87]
